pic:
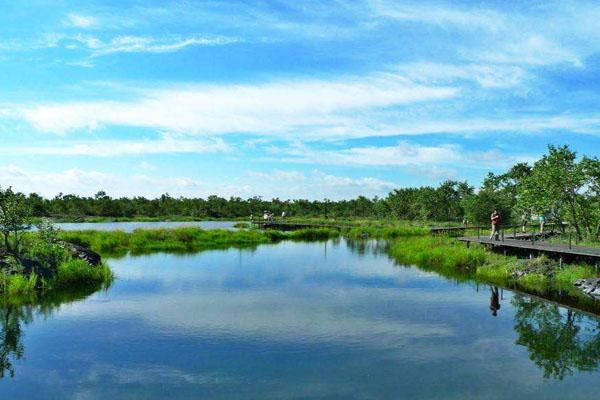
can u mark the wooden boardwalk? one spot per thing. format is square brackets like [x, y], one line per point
[452, 229]
[539, 247]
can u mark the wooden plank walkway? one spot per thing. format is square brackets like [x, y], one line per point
[540, 247]
[449, 229]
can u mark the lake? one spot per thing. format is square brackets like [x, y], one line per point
[294, 320]
[131, 226]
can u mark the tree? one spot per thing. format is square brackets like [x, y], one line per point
[555, 183]
[15, 219]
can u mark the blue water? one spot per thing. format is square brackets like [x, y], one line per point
[335, 320]
[131, 226]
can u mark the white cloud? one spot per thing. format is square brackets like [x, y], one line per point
[472, 19]
[534, 50]
[282, 108]
[421, 159]
[142, 44]
[115, 148]
[314, 185]
[282, 184]
[485, 75]
[81, 21]
[146, 166]
[82, 182]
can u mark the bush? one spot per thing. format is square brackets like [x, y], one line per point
[49, 255]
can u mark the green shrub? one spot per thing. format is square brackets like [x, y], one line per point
[77, 272]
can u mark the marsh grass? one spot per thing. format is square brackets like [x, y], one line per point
[385, 232]
[454, 260]
[186, 240]
[79, 273]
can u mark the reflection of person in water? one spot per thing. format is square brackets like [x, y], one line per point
[494, 301]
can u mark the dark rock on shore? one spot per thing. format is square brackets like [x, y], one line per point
[83, 253]
[32, 266]
[589, 286]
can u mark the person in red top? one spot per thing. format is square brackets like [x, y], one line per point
[495, 218]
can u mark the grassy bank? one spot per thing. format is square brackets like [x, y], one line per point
[72, 274]
[453, 259]
[185, 240]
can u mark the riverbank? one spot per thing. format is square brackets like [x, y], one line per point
[71, 275]
[540, 276]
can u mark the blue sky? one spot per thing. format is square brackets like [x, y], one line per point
[289, 99]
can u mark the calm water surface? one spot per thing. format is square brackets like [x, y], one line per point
[131, 226]
[295, 320]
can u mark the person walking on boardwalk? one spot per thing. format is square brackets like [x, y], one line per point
[524, 220]
[542, 222]
[495, 219]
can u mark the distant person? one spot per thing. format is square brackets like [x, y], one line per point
[465, 221]
[524, 222]
[542, 222]
[495, 219]
[282, 214]
[494, 301]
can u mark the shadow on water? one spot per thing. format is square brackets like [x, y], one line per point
[14, 316]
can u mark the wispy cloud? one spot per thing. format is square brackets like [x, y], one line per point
[415, 157]
[81, 21]
[116, 148]
[313, 185]
[472, 19]
[282, 108]
[142, 44]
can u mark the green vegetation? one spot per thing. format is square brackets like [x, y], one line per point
[185, 240]
[453, 259]
[179, 240]
[33, 264]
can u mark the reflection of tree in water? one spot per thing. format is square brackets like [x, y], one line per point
[11, 336]
[362, 247]
[559, 340]
[13, 317]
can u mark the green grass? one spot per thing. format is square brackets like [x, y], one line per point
[79, 273]
[179, 240]
[185, 240]
[454, 260]
[73, 274]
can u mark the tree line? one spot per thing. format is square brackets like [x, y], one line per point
[561, 186]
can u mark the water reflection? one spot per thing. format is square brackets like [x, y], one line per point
[13, 317]
[560, 341]
[11, 336]
[270, 322]
[494, 300]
